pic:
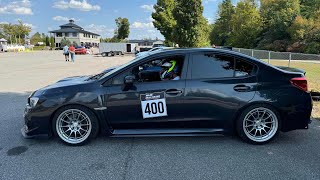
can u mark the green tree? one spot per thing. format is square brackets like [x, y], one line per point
[123, 28]
[309, 8]
[305, 35]
[246, 25]
[191, 27]
[47, 40]
[15, 32]
[221, 29]
[35, 38]
[164, 20]
[64, 42]
[52, 43]
[278, 15]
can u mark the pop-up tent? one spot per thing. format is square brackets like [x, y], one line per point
[3, 40]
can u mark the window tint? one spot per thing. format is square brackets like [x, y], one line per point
[244, 68]
[212, 66]
[153, 70]
[119, 79]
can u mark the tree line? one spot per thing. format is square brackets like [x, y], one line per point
[14, 33]
[278, 25]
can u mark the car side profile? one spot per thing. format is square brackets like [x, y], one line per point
[178, 92]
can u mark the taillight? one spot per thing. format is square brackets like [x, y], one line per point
[300, 82]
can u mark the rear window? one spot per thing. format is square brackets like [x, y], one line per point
[244, 68]
[210, 65]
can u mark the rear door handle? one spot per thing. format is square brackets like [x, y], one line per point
[173, 92]
[242, 88]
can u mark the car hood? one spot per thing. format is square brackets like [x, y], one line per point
[69, 81]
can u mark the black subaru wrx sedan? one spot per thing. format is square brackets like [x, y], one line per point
[179, 92]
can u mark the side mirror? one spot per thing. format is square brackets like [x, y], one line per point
[128, 82]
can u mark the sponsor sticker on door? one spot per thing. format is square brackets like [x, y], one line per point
[153, 105]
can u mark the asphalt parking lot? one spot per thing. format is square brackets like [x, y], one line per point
[293, 155]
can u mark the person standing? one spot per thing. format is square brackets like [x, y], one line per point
[91, 50]
[72, 51]
[66, 52]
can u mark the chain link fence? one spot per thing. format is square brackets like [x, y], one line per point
[308, 62]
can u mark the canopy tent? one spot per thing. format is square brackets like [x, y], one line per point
[3, 40]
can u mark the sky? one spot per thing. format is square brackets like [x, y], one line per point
[93, 15]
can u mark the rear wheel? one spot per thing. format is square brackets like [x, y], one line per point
[75, 125]
[258, 124]
[104, 54]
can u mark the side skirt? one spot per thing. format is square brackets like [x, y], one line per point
[165, 132]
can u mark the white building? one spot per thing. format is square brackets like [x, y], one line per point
[75, 33]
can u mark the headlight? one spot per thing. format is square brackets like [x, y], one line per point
[33, 101]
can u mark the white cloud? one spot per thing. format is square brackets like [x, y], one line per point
[150, 19]
[103, 30]
[142, 25]
[62, 18]
[4, 22]
[17, 7]
[210, 20]
[74, 4]
[147, 8]
[30, 25]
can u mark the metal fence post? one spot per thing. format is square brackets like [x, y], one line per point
[252, 53]
[239, 50]
[289, 60]
[269, 57]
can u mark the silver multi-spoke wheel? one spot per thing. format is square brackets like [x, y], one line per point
[73, 126]
[260, 124]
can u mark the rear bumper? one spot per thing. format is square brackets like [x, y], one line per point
[299, 117]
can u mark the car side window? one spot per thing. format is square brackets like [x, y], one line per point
[157, 69]
[209, 65]
[244, 68]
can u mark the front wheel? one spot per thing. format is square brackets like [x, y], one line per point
[258, 124]
[75, 125]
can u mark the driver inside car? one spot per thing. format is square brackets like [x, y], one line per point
[170, 71]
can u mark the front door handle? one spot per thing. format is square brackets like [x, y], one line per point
[173, 92]
[242, 88]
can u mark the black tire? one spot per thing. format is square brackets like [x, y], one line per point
[104, 54]
[242, 129]
[92, 118]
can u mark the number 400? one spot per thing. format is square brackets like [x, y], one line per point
[154, 108]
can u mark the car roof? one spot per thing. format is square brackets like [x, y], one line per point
[195, 50]
[216, 50]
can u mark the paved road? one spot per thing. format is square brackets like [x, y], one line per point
[294, 155]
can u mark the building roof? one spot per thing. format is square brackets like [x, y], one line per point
[72, 28]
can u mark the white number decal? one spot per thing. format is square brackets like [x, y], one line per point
[153, 105]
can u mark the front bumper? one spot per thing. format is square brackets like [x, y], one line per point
[34, 124]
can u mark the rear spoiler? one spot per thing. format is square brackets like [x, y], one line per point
[290, 69]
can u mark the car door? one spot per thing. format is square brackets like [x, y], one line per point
[147, 104]
[217, 86]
